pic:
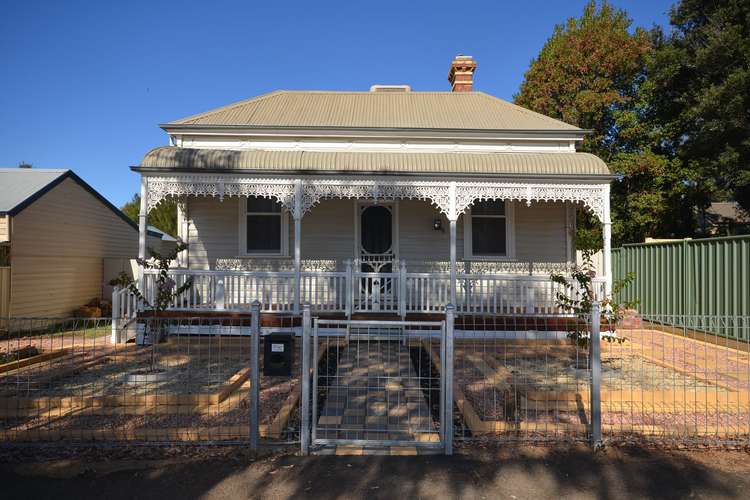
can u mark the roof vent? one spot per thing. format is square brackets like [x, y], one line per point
[390, 88]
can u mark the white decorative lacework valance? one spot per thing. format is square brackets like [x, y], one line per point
[591, 196]
[435, 193]
[161, 187]
[451, 198]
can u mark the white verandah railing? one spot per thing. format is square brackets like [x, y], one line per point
[351, 291]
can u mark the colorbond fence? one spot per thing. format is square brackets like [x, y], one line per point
[690, 277]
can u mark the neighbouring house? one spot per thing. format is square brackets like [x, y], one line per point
[61, 242]
[724, 218]
[388, 201]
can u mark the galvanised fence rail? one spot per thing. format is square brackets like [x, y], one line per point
[704, 277]
[664, 378]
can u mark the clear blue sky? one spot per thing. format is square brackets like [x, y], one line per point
[83, 85]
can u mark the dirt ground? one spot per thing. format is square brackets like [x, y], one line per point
[516, 472]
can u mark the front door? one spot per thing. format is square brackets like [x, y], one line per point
[376, 255]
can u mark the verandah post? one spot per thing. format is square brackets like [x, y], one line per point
[297, 215]
[348, 284]
[142, 228]
[254, 374]
[596, 375]
[607, 244]
[115, 315]
[402, 289]
[452, 217]
[220, 292]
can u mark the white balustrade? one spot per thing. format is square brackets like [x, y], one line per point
[351, 291]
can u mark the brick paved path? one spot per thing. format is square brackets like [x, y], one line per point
[376, 394]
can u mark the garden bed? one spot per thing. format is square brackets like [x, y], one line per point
[180, 373]
[502, 387]
[225, 418]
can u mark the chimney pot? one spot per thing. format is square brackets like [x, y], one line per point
[461, 74]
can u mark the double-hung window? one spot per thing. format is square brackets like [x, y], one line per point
[263, 227]
[488, 230]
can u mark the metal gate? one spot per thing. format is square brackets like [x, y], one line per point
[380, 383]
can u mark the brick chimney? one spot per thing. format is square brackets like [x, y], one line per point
[461, 74]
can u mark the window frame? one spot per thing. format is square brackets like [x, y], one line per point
[242, 231]
[510, 235]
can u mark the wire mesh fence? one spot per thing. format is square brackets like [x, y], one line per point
[684, 379]
[678, 378]
[521, 378]
[66, 380]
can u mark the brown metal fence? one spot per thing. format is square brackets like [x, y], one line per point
[515, 378]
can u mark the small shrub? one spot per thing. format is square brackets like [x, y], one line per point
[611, 310]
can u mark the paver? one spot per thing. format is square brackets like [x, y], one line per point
[377, 395]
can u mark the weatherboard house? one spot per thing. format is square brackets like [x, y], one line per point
[60, 243]
[385, 202]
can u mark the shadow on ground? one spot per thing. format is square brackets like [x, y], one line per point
[510, 472]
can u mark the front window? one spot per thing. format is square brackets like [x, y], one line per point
[488, 230]
[264, 223]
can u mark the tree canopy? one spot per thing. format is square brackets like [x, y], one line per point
[163, 217]
[668, 112]
[701, 76]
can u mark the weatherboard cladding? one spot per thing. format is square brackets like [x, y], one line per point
[174, 158]
[407, 110]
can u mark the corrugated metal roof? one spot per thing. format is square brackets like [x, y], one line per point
[19, 184]
[728, 210]
[174, 158]
[407, 110]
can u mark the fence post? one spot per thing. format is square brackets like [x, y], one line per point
[115, 315]
[596, 375]
[305, 403]
[450, 314]
[254, 374]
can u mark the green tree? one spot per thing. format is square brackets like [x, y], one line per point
[701, 74]
[593, 73]
[163, 217]
[587, 72]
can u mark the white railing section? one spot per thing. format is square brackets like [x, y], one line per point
[350, 291]
[326, 291]
[124, 310]
[426, 292]
[274, 290]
